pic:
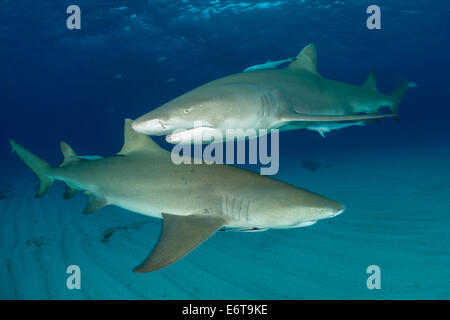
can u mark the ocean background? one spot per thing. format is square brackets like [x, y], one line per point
[132, 56]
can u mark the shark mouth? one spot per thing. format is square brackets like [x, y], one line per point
[195, 135]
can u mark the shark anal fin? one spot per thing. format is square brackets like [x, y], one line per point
[179, 236]
[70, 192]
[94, 203]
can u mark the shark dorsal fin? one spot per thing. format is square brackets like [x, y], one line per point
[134, 141]
[370, 82]
[68, 154]
[305, 60]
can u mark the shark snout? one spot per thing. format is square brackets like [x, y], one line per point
[334, 209]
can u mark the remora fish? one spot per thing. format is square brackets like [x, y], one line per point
[286, 99]
[268, 65]
[194, 201]
[323, 128]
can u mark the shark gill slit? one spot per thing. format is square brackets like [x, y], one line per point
[269, 103]
[236, 209]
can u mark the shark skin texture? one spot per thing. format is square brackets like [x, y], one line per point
[193, 200]
[290, 98]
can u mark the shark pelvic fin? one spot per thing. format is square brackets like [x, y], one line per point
[370, 82]
[70, 192]
[306, 60]
[94, 203]
[39, 167]
[134, 141]
[68, 154]
[179, 236]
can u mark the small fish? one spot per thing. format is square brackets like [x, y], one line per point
[119, 8]
[87, 157]
[160, 59]
[268, 65]
[412, 84]
[170, 80]
[323, 128]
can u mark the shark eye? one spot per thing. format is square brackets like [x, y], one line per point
[187, 109]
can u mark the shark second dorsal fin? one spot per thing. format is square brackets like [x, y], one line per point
[370, 82]
[306, 60]
[134, 141]
[68, 154]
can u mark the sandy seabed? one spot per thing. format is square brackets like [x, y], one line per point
[397, 217]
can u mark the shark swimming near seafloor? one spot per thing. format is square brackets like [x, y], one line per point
[291, 98]
[194, 201]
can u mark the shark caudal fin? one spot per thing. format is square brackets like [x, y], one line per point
[396, 96]
[39, 167]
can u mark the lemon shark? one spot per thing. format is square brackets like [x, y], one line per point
[193, 201]
[291, 98]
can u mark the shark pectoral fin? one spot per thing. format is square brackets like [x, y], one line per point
[179, 236]
[94, 203]
[70, 192]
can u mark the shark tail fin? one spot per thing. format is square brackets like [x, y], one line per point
[396, 96]
[39, 167]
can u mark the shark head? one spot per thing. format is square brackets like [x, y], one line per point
[210, 106]
[314, 207]
[291, 207]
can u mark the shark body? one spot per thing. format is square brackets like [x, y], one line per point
[194, 201]
[268, 65]
[291, 98]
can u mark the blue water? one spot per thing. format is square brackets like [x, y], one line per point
[132, 56]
